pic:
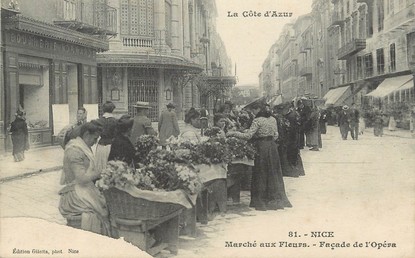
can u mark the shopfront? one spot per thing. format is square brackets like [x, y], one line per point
[45, 65]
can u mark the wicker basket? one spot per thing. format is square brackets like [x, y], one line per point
[123, 205]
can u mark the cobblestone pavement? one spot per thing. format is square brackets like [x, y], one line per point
[362, 190]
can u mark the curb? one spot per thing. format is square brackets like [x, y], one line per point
[29, 174]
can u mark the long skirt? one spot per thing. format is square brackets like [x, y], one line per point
[287, 169]
[87, 201]
[101, 156]
[267, 187]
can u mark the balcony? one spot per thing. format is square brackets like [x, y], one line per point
[306, 71]
[137, 42]
[351, 48]
[88, 17]
[336, 19]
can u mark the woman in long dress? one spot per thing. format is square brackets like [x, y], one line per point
[80, 197]
[18, 129]
[267, 190]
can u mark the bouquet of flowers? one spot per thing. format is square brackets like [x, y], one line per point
[212, 131]
[160, 173]
[240, 149]
[118, 174]
[145, 144]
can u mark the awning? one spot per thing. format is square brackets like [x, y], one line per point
[390, 85]
[337, 96]
[275, 100]
[258, 100]
[407, 86]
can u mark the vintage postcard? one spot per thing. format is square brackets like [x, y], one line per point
[207, 128]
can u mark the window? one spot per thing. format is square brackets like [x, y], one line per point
[137, 17]
[380, 61]
[381, 15]
[392, 57]
[368, 60]
[69, 10]
[359, 67]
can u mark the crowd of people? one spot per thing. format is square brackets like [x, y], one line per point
[275, 133]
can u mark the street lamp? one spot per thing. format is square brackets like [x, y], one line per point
[205, 41]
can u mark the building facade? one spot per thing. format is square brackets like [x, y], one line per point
[159, 47]
[50, 58]
[351, 51]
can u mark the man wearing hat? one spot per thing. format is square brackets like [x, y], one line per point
[344, 122]
[142, 124]
[168, 125]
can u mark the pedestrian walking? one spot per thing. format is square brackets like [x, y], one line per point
[268, 190]
[344, 122]
[122, 148]
[293, 151]
[19, 135]
[142, 124]
[354, 122]
[323, 121]
[378, 123]
[108, 123]
[168, 125]
[311, 129]
[80, 196]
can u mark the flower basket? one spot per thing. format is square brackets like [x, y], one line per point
[123, 205]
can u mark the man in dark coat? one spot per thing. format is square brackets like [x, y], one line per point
[344, 122]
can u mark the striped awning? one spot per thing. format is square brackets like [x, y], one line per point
[390, 85]
[337, 96]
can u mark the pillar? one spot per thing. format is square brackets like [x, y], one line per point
[175, 27]
[160, 22]
[186, 29]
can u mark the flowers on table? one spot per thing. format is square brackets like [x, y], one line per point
[160, 173]
[143, 146]
[240, 149]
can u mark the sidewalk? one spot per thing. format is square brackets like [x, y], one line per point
[37, 160]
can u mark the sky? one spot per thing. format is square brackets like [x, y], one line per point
[248, 39]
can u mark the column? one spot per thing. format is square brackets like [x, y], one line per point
[192, 28]
[186, 29]
[160, 22]
[162, 88]
[175, 27]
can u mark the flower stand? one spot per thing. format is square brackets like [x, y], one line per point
[213, 197]
[150, 225]
[236, 173]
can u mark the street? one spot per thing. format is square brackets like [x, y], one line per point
[356, 200]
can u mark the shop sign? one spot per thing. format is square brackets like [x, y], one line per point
[49, 45]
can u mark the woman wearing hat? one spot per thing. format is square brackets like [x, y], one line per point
[20, 135]
[168, 125]
[142, 124]
[268, 190]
